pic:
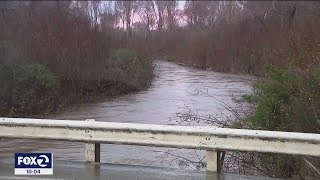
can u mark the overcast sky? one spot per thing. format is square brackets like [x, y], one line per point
[136, 17]
[181, 4]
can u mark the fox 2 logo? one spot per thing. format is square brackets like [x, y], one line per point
[33, 160]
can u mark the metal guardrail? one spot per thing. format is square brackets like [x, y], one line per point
[211, 139]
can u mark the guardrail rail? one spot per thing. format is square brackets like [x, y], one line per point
[211, 139]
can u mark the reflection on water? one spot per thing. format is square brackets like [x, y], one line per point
[174, 90]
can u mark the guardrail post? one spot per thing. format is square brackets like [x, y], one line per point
[212, 160]
[92, 150]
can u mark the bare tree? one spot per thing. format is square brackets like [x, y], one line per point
[109, 16]
[127, 10]
[147, 14]
[197, 13]
[96, 11]
[171, 7]
[161, 10]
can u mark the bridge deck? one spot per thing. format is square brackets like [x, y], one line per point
[85, 171]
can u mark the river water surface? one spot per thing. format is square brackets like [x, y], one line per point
[175, 89]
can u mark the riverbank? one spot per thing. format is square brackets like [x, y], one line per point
[33, 89]
[285, 99]
[195, 66]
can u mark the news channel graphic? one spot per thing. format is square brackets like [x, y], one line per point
[33, 164]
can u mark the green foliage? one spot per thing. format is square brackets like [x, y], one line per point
[128, 71]
[286, 100]
[276, 98]
[25, 88]
[124, 55]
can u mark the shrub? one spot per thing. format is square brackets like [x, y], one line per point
[287, 100]
[127, 71]
[282, 96]
[25, 88]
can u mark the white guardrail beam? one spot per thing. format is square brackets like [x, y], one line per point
[211, 139]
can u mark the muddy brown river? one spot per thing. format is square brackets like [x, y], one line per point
[174, 90]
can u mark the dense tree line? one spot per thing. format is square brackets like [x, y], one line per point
[237, 36]
[230, 36]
